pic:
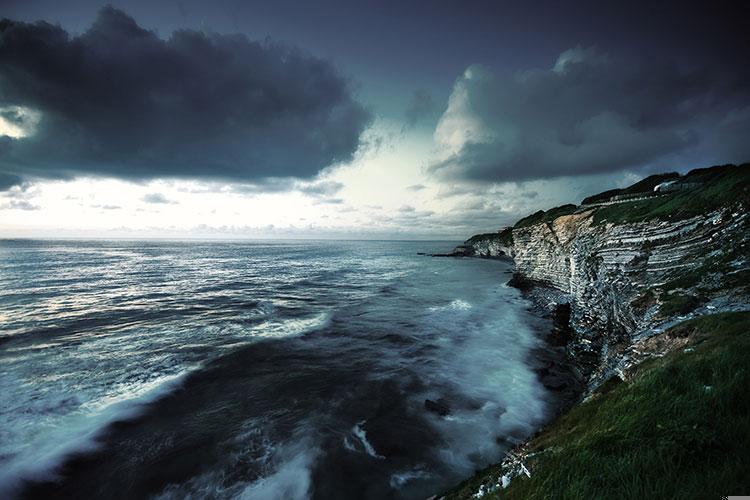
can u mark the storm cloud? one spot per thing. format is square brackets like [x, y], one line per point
[588, 114]
[120, 101]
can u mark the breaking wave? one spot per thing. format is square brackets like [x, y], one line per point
[324, 370]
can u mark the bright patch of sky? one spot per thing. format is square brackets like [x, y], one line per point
[385, 192]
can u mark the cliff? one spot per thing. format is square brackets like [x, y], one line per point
[657, 282]
[631, 267]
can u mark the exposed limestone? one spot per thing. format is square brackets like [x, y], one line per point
[609, 270]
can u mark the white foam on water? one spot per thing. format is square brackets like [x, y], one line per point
[291, 480]
[481, 357]
[55, 403]
[455, 305]
[79, 433]
[360, 434]
[290, 327]
[399, 479]
[348, 444]
[273, 469]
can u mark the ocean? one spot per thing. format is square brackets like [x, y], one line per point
[258, 370]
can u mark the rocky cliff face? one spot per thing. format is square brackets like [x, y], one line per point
[628, 280]
[619, 276]
[622, 270]
[488, 247]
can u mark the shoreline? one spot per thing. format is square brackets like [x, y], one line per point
[555, 367]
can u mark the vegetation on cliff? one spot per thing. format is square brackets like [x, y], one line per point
[545, 216]
[677, 429]
[698, 192]
[502, 238]
[705, 190]
[638, 259]
[645, 186]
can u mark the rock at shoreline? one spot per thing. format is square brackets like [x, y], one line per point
[459, 251]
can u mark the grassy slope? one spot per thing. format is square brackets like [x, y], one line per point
[548, 216]
[645, 186]
[679, 429]
[504, 237]
[721, 186]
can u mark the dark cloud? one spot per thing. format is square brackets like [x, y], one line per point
[273, 185]
[318, 189]
[416, 187]
[451, 190]
[157, 198]
[120, 101]
[107, 207]
[420, 105]
[589, 114]
[9, 180]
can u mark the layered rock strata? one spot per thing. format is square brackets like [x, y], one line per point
[614, 274]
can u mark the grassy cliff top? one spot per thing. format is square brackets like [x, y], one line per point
[678, 429]
[699, 191]
[504, 237]
[646, 185]
[545, 216]
[706, 190]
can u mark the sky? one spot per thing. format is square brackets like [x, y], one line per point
[351, 119]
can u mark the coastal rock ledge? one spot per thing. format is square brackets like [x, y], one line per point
[658, 271]
[630, 270]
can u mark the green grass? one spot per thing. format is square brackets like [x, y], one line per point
[722, 186]
[504, 237]
[646, 185]
[548, 216]
[679, 429]
[721, 273]
[675, 304]
[724, 265]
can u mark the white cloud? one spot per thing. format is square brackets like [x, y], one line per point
[18, 122]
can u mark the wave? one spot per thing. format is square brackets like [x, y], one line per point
[291, 480]
[42, 429]
[479, 369]
[284, 470]
[360, 434]
[291, 327]
[455, 305]
[399, 479]
[40, 459]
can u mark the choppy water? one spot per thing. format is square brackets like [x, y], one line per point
[256, 370]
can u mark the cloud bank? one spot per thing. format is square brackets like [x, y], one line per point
[588, 114]
[119, 101]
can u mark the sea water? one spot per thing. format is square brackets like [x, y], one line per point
[257, 370]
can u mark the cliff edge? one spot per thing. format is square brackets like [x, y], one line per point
[633, 262]
[657, 282]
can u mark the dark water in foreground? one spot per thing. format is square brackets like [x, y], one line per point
[256, 370]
